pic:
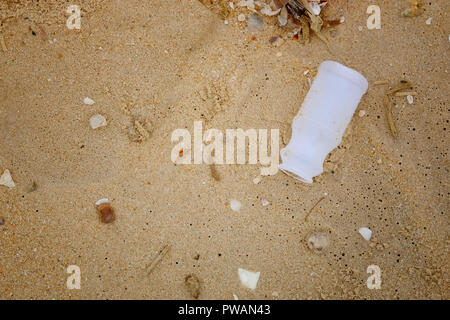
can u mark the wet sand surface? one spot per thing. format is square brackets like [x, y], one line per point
[166, 64]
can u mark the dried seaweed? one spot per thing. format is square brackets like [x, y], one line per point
[158, 258]
[389, 116]
[404, 84]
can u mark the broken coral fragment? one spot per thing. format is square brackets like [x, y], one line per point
[248, 279]
[6, 179]
[255, 23]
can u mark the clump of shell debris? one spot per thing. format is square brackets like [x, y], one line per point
[306, 15]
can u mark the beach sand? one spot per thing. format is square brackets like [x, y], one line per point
[161, 65]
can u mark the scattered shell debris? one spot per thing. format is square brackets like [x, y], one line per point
[105, 211]
[235, 205]
[6, 179]
[365, 232]
[318, 242]
[193, 285]
[88, 101]
[97, 121]
[248, 279]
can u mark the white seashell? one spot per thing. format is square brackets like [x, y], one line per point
[235, 205]
[103, 200]
[97, 121]
[6, 179]
[366, 233]
[248, 279]
[88, 101]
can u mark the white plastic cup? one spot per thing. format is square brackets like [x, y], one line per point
[320, 124]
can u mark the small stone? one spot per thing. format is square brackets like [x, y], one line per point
[241, 17]
[88, 101]
[106, 213]
[248, 279]
[362, 113]
[318, 242]
[366, 233]
[6, 179]
[264, 202]
[342, 19]
[97, 121]
[2, 221]
[410, 99]
[235, 205]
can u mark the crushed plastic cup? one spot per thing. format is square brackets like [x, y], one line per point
[321, 122]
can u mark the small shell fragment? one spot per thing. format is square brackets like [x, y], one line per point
[103, 200]
[97, 121]
[264, 202]
[88, 101]
[6, 179]
[318, 242]
[315, 8]
[283, 17]
[248, 279]
[241, 17]
[235, 205]
[366, 233]
[268, 11]
[410, 99]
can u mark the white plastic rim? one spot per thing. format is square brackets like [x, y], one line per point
[321, 122]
